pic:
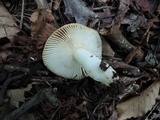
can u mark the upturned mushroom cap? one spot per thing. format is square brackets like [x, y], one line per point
[60, 46]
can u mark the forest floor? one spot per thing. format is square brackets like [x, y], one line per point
[130, 33]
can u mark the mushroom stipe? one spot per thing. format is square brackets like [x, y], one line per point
[74, 51]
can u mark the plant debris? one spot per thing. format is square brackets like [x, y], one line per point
[130, 41]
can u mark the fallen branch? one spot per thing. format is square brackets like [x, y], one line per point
[116, 37]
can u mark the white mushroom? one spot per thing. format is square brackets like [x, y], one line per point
[74, 51]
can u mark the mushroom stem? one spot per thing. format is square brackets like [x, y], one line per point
[92, 66]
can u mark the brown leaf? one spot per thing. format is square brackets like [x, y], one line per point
[82, 106]
[158, 8]
[56, 4]
[122, 10]
[41, 27]
[38, 18]
[17, 95]
[4, 54]
[48, 16]
[106, 17]
[8, 26]
[34, 16]
[139, 105]
[44, 32]
[106, 49]
[144, 4]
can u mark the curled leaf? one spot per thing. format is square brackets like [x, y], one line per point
[17, 95]
[78, 9]
[8, 26]
[139, 105]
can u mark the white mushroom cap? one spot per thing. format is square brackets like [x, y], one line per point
[60, 46]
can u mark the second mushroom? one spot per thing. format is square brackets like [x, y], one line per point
[74, 51]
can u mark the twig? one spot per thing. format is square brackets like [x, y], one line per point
[16, 68]
[39, 97]
[104, 7]
[131, 55]
[25, 24]
[117, 37]
[123, 68]
[22, 14]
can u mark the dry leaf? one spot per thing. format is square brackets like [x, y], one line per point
[41, 28]
[17, 95]
[56, 4]
[4, 54]
[158, 8]
[134, 21]
[8, 26]
[48, 16]
[34, 16]
[78, 9]
[42, 4]
[144, 4]
[122, 10]
[82, 106]
[106, 17]
[139, 105]
[106, 49]
[43, 33]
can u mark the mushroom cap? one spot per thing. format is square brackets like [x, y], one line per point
[58, 51]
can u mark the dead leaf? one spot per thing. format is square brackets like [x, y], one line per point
[74, 115]
[134, 21]
[8, 26]
[122, 10]
[34, 16]
[151, 22]
[144, 4]
[78, 9]
[82, 106]
[48, 16]
[106, 49]
[113, 116]
[139, 105]
[56, 4]
[158, 8]
[41, 27]
[4, 54]
[106, 17]
[38, 18]
[42, 35]
[42, 4]
[17, 95]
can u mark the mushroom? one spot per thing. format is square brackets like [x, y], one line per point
[74, 51]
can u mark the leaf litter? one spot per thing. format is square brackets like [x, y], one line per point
[130, 40]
